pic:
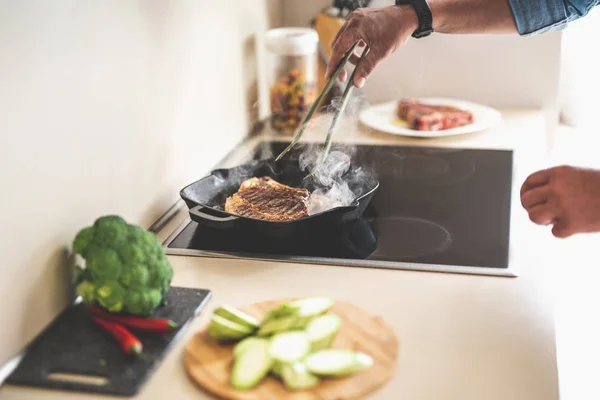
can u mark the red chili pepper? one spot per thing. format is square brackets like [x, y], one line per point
[129, 343]
[155, 325]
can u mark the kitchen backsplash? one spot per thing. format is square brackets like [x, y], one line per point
[110, 107]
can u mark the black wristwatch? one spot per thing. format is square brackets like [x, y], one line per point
[423, 14]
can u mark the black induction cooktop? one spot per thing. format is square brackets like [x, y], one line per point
[434, 206]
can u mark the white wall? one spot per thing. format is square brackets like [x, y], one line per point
[502, 70]
[580, 77]
[108, 106]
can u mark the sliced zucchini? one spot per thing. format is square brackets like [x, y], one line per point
[295, 315]
[302, 322]
[223, 330]
[308, 307]
[284, 310]
[322, 331]
[289, 347]
[296, 377]
[239, 317]
[312, 306]
[277, 325]
[276, 313]
[243, 345]
[252, 365]
[276, 369]
[337, 362]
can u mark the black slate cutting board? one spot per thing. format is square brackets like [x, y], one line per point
[73, 344]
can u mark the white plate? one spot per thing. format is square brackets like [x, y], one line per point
[383, 117]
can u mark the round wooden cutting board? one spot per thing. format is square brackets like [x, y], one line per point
[209, 363]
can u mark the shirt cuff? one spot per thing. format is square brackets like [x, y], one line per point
[535, 17]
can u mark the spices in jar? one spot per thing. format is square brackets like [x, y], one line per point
[292, 76]
[291, 97]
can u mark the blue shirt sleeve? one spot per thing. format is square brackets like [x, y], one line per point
[538, 16]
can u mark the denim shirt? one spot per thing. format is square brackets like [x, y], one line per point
[538, 16]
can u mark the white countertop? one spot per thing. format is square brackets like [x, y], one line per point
[463, 337]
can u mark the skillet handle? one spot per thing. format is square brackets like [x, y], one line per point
[211, 220]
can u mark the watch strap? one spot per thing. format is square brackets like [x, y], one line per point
[424, 16]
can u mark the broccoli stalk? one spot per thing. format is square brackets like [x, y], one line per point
[126, 267]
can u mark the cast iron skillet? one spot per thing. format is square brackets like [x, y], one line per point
[206, 199]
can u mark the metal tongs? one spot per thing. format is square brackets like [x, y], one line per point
[315, 106]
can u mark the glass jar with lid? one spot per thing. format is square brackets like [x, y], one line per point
[292, 75]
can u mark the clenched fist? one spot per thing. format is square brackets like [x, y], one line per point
[566, 197]
[382, 29]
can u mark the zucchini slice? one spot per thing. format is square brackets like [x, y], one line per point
[308, 307]
[252, 365]
[337, 362]
[277, 325]
[295, 315]
[239, 317]
[243, 345]
[289, 347]
[223, 330]
[322, 331]
[296, 377]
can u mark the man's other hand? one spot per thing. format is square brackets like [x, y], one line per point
[566, 197]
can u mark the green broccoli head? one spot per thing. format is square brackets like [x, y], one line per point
[126, 268]
[111, 296]
[143, 302]
[87, 291]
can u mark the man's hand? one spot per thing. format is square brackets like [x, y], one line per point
[566, 197]
[382, 29]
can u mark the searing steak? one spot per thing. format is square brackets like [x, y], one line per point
[266, 199]
[427, 117]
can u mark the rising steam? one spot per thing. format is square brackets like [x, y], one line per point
[337, 182]
[334, 188]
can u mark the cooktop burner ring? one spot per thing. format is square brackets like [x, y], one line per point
[459, 170]
[412, 238]
[428, 168]
[421, 166]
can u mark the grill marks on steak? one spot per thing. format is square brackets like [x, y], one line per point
[426, 117]
[266, 199]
